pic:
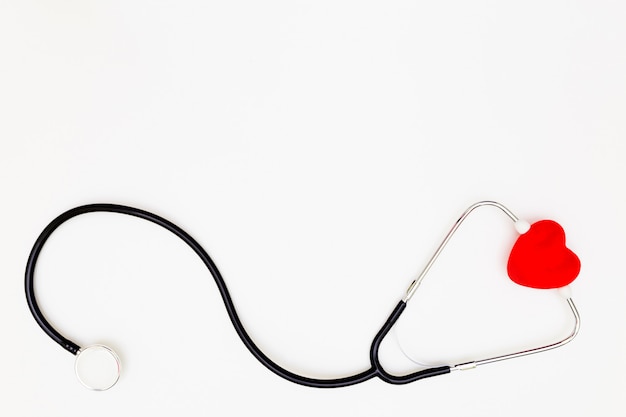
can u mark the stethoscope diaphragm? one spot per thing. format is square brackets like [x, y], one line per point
[97, 367]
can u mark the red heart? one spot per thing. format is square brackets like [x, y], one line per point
[540, 259]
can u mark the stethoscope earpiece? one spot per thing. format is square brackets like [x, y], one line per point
[97, 367]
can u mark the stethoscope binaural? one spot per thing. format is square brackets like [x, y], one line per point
[539, 259]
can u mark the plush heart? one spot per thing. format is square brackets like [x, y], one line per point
[540, 259]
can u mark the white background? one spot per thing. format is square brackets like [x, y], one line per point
[319, 151]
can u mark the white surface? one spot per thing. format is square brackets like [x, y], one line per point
[319, 151]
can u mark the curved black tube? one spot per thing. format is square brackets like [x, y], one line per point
[376, 368]
[380, 371]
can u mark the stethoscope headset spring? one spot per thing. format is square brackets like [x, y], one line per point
[539, 259]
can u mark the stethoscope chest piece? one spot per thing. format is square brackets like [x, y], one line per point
[97, 367]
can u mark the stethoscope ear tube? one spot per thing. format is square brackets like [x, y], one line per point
[522, 227]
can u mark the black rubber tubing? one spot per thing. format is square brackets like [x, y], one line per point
[375, 369]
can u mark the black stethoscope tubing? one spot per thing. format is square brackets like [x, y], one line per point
[376, 369]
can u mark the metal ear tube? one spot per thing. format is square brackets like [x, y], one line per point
[522, 227]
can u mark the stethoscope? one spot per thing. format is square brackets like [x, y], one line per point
[539, 259]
